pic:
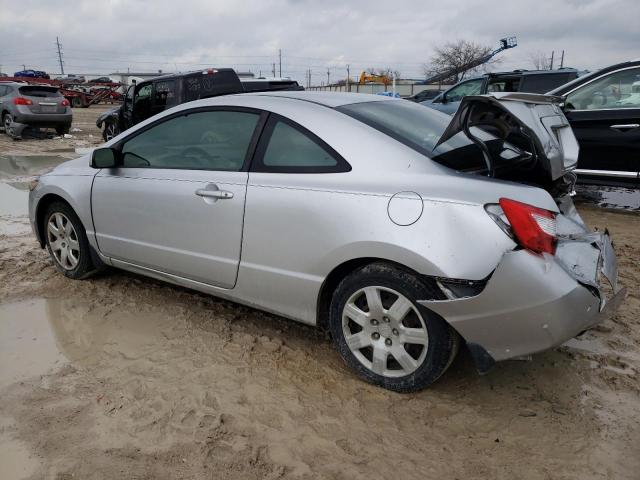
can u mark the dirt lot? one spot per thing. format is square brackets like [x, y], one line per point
[121, 376]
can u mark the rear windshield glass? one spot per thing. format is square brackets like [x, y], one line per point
[34, 91]
[412, 124]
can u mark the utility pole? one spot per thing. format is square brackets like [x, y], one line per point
[280, 61]
[274, 70]
[60, 56]
[562, 60]
[348, 79]
[552, 52]
[328, 74]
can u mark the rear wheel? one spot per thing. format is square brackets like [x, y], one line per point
[384, 334]
[7, 120]
[67, 241]
[61, 130]
[76, 102]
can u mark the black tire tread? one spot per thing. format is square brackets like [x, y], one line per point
[443, 340]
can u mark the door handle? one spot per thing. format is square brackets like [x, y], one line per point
[217, 194]
[625, 126]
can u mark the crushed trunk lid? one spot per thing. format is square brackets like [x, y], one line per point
[532, 124]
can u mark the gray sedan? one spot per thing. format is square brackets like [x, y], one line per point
[403, 232]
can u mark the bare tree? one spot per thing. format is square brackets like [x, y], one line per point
[539, 60]
[383, 72]
[462, 58]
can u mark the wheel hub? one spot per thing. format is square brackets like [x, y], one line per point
[385, 331]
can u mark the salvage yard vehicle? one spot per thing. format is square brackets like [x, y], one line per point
[603, 109]
[526, 81]
[157, 94]
[400, 230]
[23, 105]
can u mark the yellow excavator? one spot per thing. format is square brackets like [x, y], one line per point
[371, 78]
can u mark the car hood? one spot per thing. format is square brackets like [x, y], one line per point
[537, 119]
[77, 166]
[106, 114]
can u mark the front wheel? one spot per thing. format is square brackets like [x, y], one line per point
[384, 335]
[7, 120]
[110, 131]
[67, 241]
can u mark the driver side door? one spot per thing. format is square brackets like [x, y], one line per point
[175, 203]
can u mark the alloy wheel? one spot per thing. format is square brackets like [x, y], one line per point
[385, 331]
[110, 131]
[63, 241]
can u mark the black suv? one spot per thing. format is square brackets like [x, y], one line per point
[603, 109]
[150, 97]
[529, 81]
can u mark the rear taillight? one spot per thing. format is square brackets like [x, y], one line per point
[533, 227]
[22, 101]
[64, 103]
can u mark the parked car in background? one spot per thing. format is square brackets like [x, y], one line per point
[424, 95]
[33, 105]
[528, 81]
[70, 78]
[101, 80]
[603, 109]
[353, 213]
[149, 97]
[31, 74]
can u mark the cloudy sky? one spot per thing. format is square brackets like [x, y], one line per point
[103, 36]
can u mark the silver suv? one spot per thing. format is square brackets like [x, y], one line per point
[22, 104]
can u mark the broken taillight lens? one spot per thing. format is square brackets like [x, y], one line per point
[533, 227]
[22, 101]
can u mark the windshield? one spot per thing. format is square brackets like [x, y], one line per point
[412, 124]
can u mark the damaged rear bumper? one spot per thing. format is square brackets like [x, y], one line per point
[532, 302]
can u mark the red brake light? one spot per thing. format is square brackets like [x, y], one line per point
[22, 101]
[533, 227]
[64, 103]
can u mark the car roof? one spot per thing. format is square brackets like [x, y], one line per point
[328, 99]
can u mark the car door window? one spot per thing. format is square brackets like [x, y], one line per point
[210, 140]
[471, 87]
[142, 103]
[164, 93]
[293, 149]
[618, 90]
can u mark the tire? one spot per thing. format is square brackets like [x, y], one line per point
[403, 352]
[109, 131]
[76, 102]
[76, 262]
[7, 119]
[63, 129]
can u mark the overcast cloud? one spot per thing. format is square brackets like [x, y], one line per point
[103, 36]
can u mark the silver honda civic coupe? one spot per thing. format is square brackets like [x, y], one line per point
[403, 232]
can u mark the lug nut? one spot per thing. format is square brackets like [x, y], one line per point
[388, 342]
[374, 322]
[395, 332]
[375, 335]
[385, 319]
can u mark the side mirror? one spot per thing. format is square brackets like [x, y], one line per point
[104, 158]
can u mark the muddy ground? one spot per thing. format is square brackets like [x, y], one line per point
[120, 376]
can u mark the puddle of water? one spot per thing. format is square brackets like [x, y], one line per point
[14, 201]
[609, 197]
[17, 166]
[41, 334]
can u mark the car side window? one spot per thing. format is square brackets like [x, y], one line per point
[470, 87]
[3, 91]
[289, 148]
[142, 103]
[209, 140]
[164, 93]
[618, 90]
